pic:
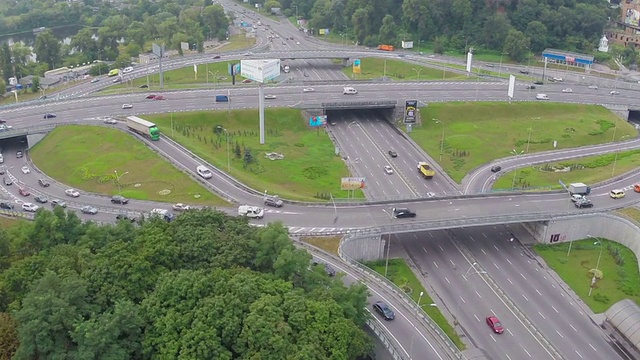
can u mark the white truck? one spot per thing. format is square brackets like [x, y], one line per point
[579, 189]
[252, 212]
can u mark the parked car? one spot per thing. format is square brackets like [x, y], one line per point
[72, 192]
[88, 209]
[56, 202]
[125, 217]
[41, 199]
[181, 207]
[117, 199]
[494, 324]
[384, 310]
[44, 182]
[24, 192]
[29, 207]
[403, 213]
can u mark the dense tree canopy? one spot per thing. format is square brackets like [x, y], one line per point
[205, 286]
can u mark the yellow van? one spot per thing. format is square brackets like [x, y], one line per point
[616, 194]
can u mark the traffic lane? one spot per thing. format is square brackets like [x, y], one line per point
[553, 312]
[404, 328]
[467, 297]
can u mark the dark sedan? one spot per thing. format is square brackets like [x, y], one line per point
[384, 310]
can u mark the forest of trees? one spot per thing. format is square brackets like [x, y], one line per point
[205, 286]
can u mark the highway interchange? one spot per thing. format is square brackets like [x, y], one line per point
[439, 255]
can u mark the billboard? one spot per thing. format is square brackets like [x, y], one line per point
[352, 183]
[407, 44]
[632, 17]
[410, 108]
[316, 121]
[356, 66]
[233, 69]
[469, 59]
[512, 86]
[260, 70]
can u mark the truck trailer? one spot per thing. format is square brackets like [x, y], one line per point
[385, 47]
[579, 188]
[426, 170]
[143, 127]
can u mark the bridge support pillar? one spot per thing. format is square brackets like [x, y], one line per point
[346, 62]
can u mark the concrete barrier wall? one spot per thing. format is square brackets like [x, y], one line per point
[368, 248]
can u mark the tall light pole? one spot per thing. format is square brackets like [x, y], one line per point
[118, 180]
[516, 154]
[413, 333]
[296, 6]
[386, 263]
[473, 267]
[594, 279]
[500, 66]
[442, 138]
[417, 72]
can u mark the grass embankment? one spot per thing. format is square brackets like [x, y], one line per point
[86, 157]
[631, 213]
[310, 169]
[589, 170]
[479, 132]
[401, 275]
[619, 266]
[329, 244]
[374, 68]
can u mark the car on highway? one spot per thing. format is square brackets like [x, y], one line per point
[88, 209]
[388, 169]
[127, 70]
[204, 172]
[531, 87]
[495, 324]
[72, 193]
[594, 87]
[6, 206]
[49, 116]
[542, 97]
[273, 200]
[180, 207]
[24, 192]
[617, 194]
[117, 199]
[95, 80]
[127, 106]
[614, 92]
[270, 97]
[150, 97]
[3, 170]
[583, 203]
[217, 57]
[307, 90]
[126, 217]
[19, 154]
[399, 213]
[524, 71]
[44, 182]
[160, 97]
[496, 168]
[41, 199]
[384, 310]
[247, 54]
[431, 195]
[577, 197]
[117, 80]
[5, 127]
[636, 188]
[57, 202]
[7, 181]
[25, 170]
[557, 79]
[29, 207]
[393, 154]
[143, 86]
[567, 90]
[246, 81]
[110, 120]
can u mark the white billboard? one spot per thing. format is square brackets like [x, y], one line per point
[512, 85]
[407, 44]
[260, 70]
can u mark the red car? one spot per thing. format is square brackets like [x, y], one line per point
[150, 97]
[24, 192]
[495, 325]
[159, 97]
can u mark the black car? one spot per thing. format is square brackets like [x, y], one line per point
[496, 168]
[399, 213]
[327, 269]
[7, 181]
[524, 71]
[117, 199]
[41, 199]
[49, 116]
[3, 121]
[531, 87]
[143, 86]
[6, 206]
[538, 82]
[125, 217]
[43, 182]
[384, 310]
[393, 154]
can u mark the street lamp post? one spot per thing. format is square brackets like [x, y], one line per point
[473, 267]
[413, 335]
[516, 154]
[593, 279]
[442, 138]
[296, 6]
[386, 262]
[500, 66]
[118, 180]
[417, 72]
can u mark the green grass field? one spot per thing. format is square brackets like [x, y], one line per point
[401, 275]
[86, 157]
[589, 170]
[476, 133]
[329, 244]
[373, 68]
[618, 264]
[310, 170]
[631, 213]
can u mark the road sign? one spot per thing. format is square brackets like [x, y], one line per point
[316, 121]
[410, 109]
[352, 183]
[356, 66]
[260, 70]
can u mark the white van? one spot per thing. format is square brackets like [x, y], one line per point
[204, 172]
[252, 212]
[349, 91]
[542, 97]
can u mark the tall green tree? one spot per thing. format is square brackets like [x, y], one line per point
[47, 49]
[516, 45]
[6, 63]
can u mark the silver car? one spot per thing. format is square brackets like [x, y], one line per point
[87, 209]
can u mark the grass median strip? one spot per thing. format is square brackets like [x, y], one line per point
[479, 132]
[375, 68]
[87, 157]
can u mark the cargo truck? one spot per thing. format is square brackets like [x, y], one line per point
[385, 47]
[426, 170]
[579, 188]
[143, 127]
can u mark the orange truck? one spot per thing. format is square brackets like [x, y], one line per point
[385, 47]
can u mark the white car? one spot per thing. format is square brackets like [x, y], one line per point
[127, 106]
[594, 87]
[110, 120]
[181, 207]
[431, 195]
[204, 172]
[614, 92]
[308, 90]
[567, 90]
[95, 80]
[270, 97]
[30, 207]
[388, 169]
[127, 70]
[72, 192]
[542, 97]
[25, 170]
[558, 79]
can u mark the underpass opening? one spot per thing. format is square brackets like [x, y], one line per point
[339, 112]
[634, 116]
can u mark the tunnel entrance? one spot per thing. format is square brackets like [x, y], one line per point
[340, 112]
[634, 117]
